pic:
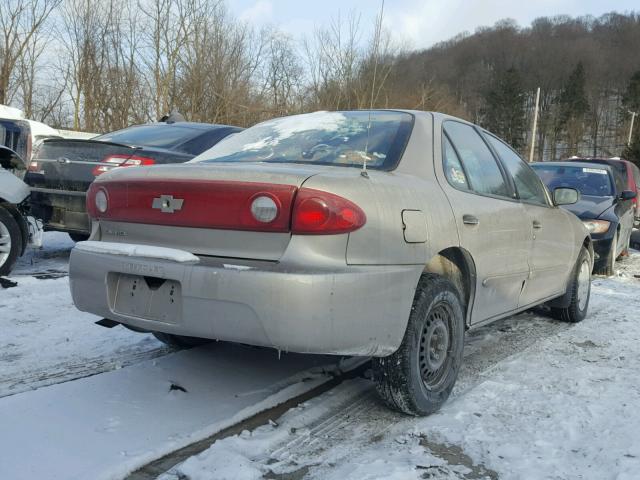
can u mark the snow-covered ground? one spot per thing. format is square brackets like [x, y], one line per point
[44, 339]
[536, 398]
[557, 403]
[111, 420]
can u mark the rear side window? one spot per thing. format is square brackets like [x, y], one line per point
[528, 184]
[452, 167]
[481, 168]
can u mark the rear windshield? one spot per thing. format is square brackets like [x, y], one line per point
[159, 135]
[591, 181]
[329, 138]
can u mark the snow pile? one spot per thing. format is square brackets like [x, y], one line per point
[132, 250]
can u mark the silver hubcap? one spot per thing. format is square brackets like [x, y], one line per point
[5, 243]
[584, 285]
[435, 346]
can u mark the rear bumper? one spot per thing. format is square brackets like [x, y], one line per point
[348, 311]
[61, 210]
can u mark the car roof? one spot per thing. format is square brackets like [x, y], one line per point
[573, 164]
[190, 125]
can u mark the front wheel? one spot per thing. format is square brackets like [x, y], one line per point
[179, 341]
[10, 241]
[608, 268]
[579, 291]
[418, 378]
[79, 237]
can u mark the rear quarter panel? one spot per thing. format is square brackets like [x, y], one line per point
[385, 195]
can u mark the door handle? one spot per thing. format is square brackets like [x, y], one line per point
[470, 220]
[537, 224]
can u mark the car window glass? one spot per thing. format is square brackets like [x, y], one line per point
[480, 166]
[452, 167]
[589, 181]
[528, 185]
[346, 138]
[158, 135]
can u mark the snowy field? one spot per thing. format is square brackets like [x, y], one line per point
[536, 398]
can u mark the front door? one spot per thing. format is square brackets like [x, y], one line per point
[551, 253]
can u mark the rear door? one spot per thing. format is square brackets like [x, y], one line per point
[552, 254]
[492, 225]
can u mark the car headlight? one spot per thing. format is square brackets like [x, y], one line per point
[596, 226]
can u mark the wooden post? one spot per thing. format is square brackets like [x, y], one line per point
[535, 126]
[633, 117]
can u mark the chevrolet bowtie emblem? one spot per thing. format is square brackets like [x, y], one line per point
[167, 204]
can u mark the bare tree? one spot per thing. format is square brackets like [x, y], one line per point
[20, 23]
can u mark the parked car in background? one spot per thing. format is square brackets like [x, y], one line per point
[605, 210]
[16, 230]
[16, 136]
[627, 177]
[279, 236]
[62, 170]
[38, 131]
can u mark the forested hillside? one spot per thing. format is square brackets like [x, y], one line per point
[588, 70]
[99, 65]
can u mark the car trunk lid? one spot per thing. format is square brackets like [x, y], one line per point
[203, 209]
[69, 164]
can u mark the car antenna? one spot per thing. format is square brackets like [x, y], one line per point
[364, 172]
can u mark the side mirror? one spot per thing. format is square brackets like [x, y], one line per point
[565, 196]
[628, 195]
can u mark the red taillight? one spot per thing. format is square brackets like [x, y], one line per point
[112, 161]
[34, 167]
[216, 204]
[260, 207]
[321, 213]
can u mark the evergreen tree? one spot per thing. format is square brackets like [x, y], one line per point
[631, 98]
[574, 106]
[631, 102]
[504, 108]
[632, 152]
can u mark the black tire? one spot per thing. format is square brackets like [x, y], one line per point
[180, 341]
[436, 314]
[575, 312]
[607, 268]
[13, 235]
[78, 237]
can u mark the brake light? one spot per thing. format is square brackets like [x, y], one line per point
[321, 213]
[223, 204]
[34, 167]
[114, 161]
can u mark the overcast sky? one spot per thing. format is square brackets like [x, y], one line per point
[420, 23]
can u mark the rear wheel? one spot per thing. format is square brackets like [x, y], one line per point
[78, 237]
[418, 378]
[579, 291]
[10, 241]
[180, 341]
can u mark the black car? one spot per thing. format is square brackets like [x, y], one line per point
[62, 170]
[605, 210]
